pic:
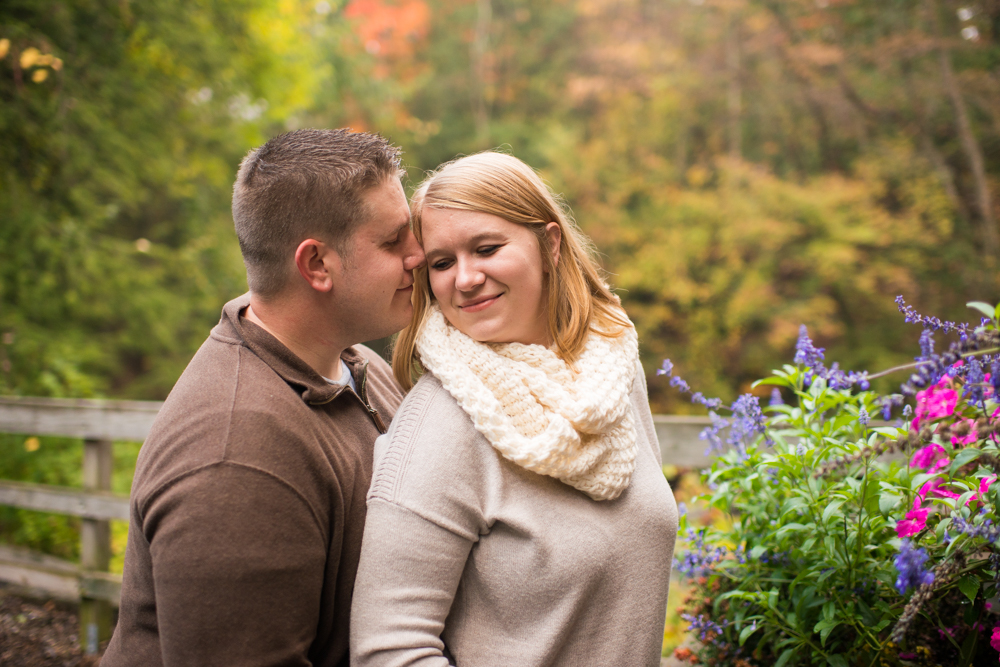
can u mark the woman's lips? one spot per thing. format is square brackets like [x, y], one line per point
[477, 306]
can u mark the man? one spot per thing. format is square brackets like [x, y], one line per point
[248, 502]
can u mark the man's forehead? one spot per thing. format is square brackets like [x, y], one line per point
[388, 210]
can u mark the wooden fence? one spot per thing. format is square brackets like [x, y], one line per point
[99, 424]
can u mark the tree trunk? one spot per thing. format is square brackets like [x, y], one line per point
[734, 93]
[988, 232]
[478, 50]
[974, 154]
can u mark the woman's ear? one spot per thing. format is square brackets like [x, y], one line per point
[553, 236]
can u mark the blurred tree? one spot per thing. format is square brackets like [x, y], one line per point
[648, 116]
[123, 124]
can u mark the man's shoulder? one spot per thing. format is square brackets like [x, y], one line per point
[225, 394]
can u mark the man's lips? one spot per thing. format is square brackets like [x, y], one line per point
[476, 305]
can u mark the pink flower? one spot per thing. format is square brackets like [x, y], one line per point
[932, 456]
[936, 401]
[995, 639]
[984, 486]
[915, 521]
[934, 486]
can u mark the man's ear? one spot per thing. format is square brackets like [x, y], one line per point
[318, 263]
[553, 235]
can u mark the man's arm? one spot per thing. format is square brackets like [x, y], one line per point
[238, 560]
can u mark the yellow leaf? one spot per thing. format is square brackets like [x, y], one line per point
[4, 47]
[57, 64]
[40, 75]
[29, 57]
[32, 444]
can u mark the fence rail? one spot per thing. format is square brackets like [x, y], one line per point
[101, 422]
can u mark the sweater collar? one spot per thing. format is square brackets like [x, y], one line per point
[311, 386]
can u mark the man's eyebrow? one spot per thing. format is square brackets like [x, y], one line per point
[398, 230]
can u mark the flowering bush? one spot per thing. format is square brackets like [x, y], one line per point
[851, 541]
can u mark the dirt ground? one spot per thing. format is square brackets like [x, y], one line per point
[36, 633]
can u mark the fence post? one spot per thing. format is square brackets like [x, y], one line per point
[95, 546]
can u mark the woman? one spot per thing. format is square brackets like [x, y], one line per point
[518, 514]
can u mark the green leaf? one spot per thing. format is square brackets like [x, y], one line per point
[969, 585]
[785, 656]
[831, 509]
[788, 527]
[963, 457]
[986, 309]
[969, 648]
[887, 502]
[781, 382]
[746, 632]
[840, 661]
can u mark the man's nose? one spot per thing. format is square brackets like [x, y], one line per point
[414, 257]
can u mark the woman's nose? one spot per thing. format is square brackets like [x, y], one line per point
[468, 276]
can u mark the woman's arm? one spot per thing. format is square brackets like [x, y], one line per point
[409, 573]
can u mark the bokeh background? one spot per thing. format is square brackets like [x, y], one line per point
[743, 166]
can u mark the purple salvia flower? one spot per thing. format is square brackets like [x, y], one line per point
[775, 398]
[699, 560]
[863, 417]
[704, 625]
[911, 316]
[666, 369]
[984, 531]
[974, 380]
[711, 433]
[680, 384]
[910, 565]
[926, 345]
[748, 421]
[805, 352]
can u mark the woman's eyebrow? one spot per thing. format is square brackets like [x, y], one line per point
[471, 241]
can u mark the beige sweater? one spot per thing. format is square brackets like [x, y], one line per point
[504, 566]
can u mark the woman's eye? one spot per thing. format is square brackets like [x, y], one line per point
[488, 250]
[441, 264]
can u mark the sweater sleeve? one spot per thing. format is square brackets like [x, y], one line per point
[255, 605]
[409, 573]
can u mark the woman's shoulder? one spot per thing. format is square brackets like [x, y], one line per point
[429, 434]
[427, 399]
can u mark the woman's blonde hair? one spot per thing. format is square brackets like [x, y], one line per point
[579, 300]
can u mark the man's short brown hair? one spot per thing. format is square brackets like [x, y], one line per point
[302, 184]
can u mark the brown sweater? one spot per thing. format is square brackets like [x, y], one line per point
[248, 507]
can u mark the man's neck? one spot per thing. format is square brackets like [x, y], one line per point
[303, 334]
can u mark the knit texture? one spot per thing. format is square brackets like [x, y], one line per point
[574, 424]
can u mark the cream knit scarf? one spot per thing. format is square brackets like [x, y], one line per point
[574, 425]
